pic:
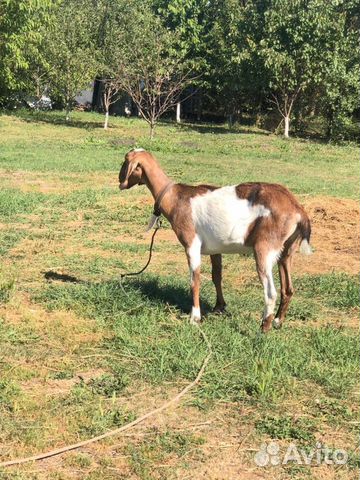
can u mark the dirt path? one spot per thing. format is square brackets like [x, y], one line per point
[335, 236]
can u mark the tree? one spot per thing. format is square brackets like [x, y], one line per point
[110, 21]
[70, 51]
[21, 23]
[298, 42]
[153, 72]
[340, 88]
[235, 78]
[188, 20]
[288, 51]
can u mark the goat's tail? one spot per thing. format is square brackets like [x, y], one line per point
[304, 227]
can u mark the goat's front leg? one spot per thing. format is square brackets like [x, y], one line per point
[216, 274]
[193, 254]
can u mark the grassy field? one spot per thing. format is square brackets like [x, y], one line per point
[81, 354]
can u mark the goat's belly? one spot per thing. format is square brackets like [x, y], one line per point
[219, 241]
[233, 248]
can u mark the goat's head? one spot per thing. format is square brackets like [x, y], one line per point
[131, 172]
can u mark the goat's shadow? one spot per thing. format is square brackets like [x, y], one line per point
[50, 275]
[154, 289]
[167, 293]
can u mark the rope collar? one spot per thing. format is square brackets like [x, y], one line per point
[158, 200]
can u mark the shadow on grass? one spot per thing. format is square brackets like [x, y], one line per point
[220, 129]
[57, 119]
[168, 293]
[154, 289]
[61, 277]
[171, 294]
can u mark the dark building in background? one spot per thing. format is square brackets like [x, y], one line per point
[193, 105]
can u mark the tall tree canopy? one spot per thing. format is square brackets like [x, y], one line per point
[112, 22]
[70, 51]
[21, 28]
[294, 57]
[153, 71]
[277, 51]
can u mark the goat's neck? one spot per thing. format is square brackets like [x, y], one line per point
[156, 179]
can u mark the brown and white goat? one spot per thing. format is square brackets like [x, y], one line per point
[260, 217]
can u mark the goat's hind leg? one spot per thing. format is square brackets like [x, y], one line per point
[265, 261]
[287, 290]
[216, 275]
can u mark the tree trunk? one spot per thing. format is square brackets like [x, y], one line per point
[178, 112]
[152, 130]
[67, 112]
[287, 125]
[199, 108]
[329, 124]
[38, 88]
[106, 122]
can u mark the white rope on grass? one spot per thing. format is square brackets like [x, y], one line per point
[111, 433]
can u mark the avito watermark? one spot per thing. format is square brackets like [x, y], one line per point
[270, 454]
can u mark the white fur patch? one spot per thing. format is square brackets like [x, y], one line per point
[139, 150]
[222, 220]
[195, 316]
[271, 259]
[276, 322]
[194, 253]
[305, 248]
[293, 227]
[269, 295]
[268, 283]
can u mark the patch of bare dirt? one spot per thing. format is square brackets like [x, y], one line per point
[40, 387]
[65, 328]
[335, 236]
[34, 182]
[167, 235]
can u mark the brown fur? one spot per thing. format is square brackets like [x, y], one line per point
[283, 206]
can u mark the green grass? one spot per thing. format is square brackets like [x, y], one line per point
[262, 367]
[286, 427]
[335, 289]
[158, 448]
[82, 353]
[189, 153]
[13, 203]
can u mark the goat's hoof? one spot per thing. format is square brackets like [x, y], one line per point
[219, 309]
[277, 323]
[195, 320]
[267, 323]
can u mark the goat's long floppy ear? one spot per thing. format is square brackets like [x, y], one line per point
[126, 170]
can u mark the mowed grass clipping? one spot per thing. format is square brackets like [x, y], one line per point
[80, 349]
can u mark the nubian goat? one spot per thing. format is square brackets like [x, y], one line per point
[261, 217]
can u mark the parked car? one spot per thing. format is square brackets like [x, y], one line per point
[42, 103]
